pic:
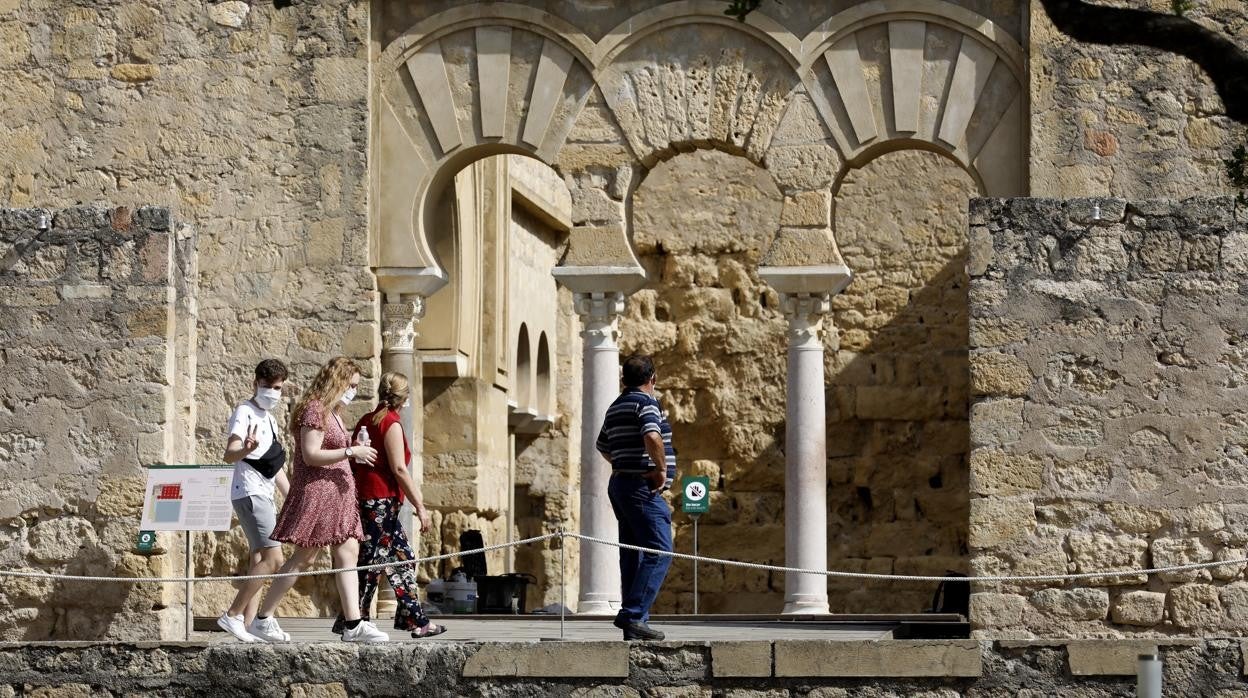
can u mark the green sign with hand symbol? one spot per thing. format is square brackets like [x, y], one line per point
[695, 495]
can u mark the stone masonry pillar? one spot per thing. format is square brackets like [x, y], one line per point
[806, 299]
[805, 447]
[600, 376]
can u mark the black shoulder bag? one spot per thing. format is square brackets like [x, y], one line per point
[270, 464]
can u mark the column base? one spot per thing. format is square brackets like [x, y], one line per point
[587, 607]
[805, 607]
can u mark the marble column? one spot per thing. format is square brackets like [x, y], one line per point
[400, 314]
[805, 446]
[600, 383]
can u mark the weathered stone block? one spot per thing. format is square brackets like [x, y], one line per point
[1144, 608]
[1195, 606]
[135, 72]
[999, 520]
[1234, 599]
[994, 373]
[995, 471]
[318, 690]
[881, 658]
[1072, 604]
[231, 13]
[59, 540]
[1174, 552]
[1098, 552]
[1107, 657]
[1229, 571]
[989, 610]
[325, 240]
[996, 422]
[807, 208]
[340, 78]
[587, 659]
[742, 658]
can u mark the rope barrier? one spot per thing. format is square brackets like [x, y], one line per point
[276, 575]
[561, 534]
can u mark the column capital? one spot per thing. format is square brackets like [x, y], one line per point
[399, 315]
[598, 306]
[805, 313]
[599, 311]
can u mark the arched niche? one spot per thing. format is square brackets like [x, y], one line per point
[524, 370]
[543, 398]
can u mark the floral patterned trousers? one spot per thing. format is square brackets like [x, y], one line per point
[385, 541]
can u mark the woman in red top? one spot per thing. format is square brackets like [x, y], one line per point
[380, 488]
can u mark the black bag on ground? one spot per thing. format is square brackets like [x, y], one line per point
[474, 563]
[953, 595]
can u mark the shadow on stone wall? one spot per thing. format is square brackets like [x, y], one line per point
[896, 384]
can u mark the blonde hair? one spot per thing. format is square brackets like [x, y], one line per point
[392, 392]
[328, 387]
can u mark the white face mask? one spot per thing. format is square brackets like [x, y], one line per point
[348, 396]
[267, 398]
[406, 404]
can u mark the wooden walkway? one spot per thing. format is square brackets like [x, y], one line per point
[580, 629]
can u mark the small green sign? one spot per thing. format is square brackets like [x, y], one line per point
[146, 542]
[695, 495]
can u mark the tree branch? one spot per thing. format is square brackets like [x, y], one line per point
[1222, 59]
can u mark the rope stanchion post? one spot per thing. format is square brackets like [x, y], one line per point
[1148, 676]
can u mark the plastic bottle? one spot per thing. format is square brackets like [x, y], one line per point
[362, 437]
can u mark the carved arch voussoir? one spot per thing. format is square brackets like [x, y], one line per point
[931, 73]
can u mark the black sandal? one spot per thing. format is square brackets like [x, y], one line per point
[439, 630]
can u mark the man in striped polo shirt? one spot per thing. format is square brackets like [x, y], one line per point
[637, 441]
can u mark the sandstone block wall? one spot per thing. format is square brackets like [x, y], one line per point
[895, 360]
[89, 302]
[249, 122]
[1129, 121]
[1108, 426]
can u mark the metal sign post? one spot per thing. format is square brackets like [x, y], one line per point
[695, 518]
[695, 501]
[185, 498]
[190, 587]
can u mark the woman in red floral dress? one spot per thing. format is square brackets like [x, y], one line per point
[320, 509]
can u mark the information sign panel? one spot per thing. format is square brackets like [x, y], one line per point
[187, 498]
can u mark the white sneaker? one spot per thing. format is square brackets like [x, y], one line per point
[235, 626]
[364, 632]
[267, 630]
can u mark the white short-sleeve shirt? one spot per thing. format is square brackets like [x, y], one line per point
[247, 480]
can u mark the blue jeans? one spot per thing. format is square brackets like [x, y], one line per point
[646, 521]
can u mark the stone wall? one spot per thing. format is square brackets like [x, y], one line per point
[1129, 121]
[751, 669]
[249, 122]
[89, 301]
[1108, 432]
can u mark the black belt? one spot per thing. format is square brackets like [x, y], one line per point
[623, 474]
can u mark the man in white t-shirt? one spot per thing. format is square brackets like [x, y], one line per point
[259, 459]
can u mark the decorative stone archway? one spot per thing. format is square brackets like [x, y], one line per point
[493, 78]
